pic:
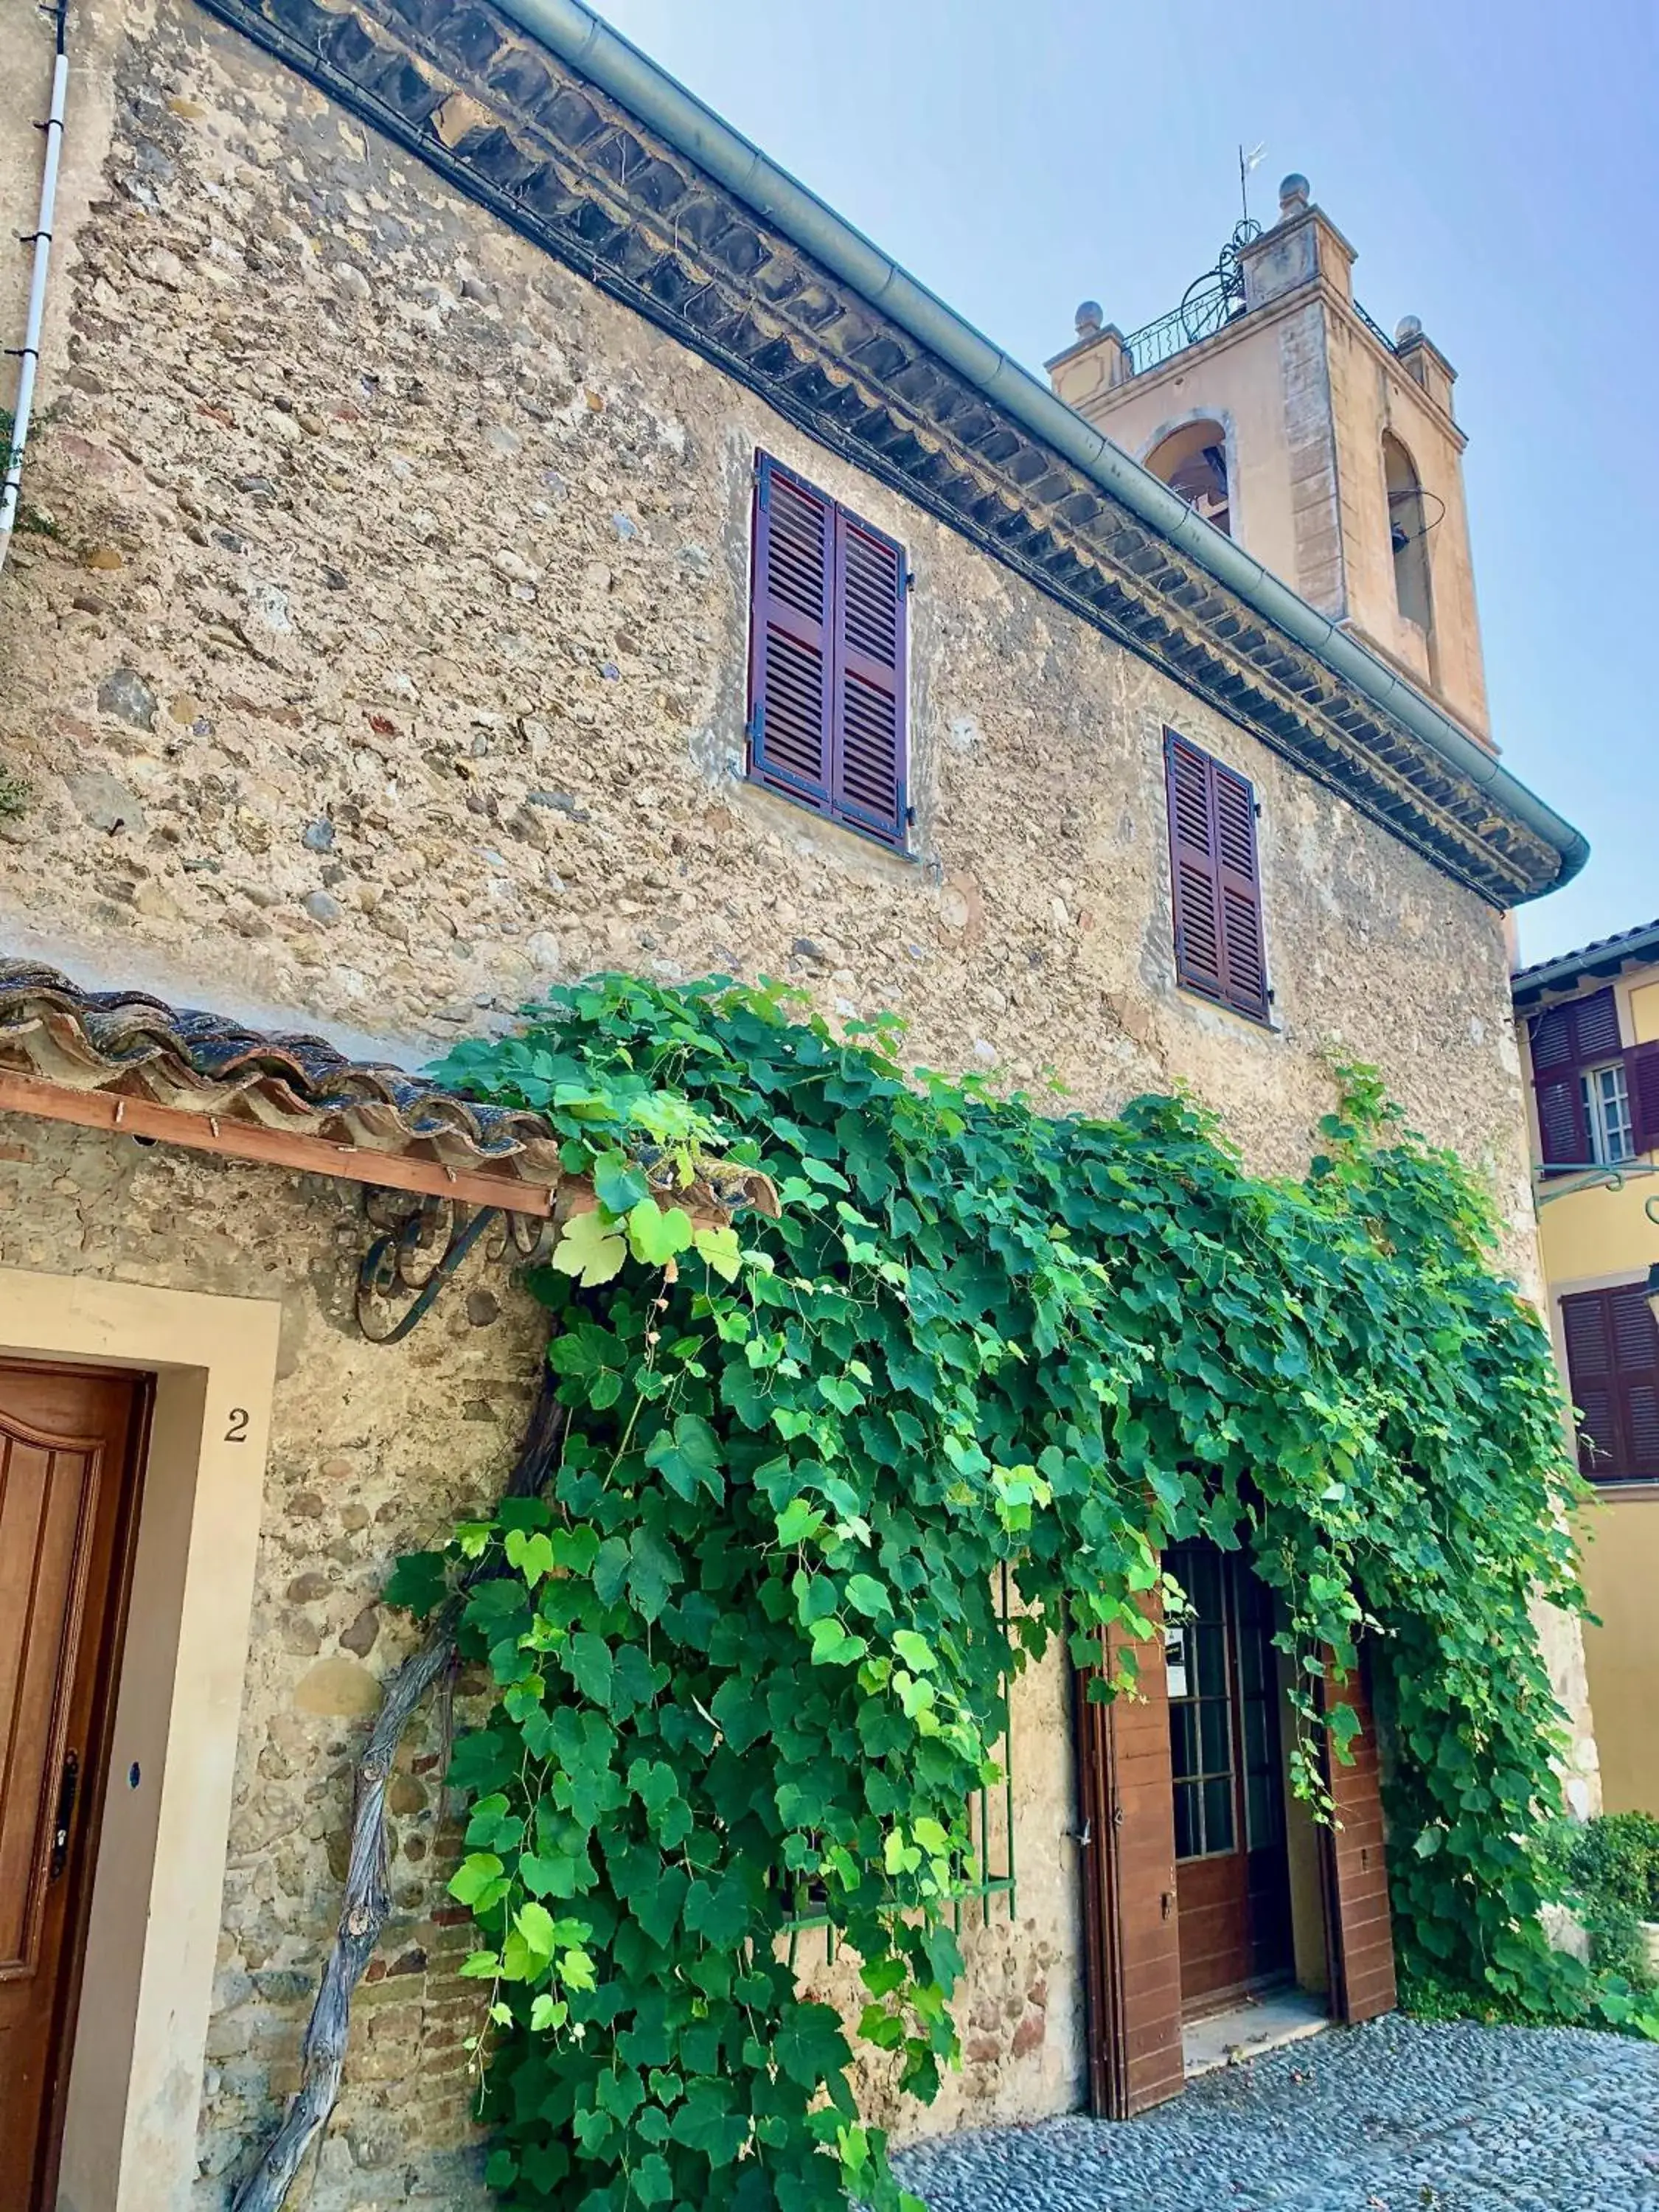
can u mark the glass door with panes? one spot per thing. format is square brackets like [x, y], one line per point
[1232, 1883]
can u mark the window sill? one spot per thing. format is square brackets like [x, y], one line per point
[787, 817]
[1268, 1024]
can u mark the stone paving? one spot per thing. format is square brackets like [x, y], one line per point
[1401, 2116]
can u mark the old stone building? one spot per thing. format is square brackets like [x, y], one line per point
[486, 525]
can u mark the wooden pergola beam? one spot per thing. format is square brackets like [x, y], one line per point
[118, 1115]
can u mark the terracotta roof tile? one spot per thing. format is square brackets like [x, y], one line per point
[207, 1064]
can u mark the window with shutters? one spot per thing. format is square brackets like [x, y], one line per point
[1613, 1373]
[1216, 880]
[827, 658]
[1597, 1103]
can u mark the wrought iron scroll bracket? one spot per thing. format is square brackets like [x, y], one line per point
[420, 1248]
[1575, 1178]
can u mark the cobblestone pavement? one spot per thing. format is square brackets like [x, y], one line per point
[1401, 2116]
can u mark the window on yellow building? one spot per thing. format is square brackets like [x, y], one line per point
[1607, 1114]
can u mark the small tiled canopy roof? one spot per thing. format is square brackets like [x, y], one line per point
[1602, 958]
[207, 1064]
[125, 1062]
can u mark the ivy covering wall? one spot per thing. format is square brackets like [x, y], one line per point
[749, 1640]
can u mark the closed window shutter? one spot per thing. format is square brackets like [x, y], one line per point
[1590, 1379]
[1562, 1132]
[1642, 1083]
[867, 772]
[1245, 967]
[1553, 1043]
[1216, 879]
[1565, 1040]
[792, 638]
[1595, 1028]
[1613, 1372]
[1636, 1365]
[1194, 875]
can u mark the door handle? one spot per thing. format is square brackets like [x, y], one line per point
[65, 1814]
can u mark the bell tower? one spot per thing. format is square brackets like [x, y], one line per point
[1272, 403]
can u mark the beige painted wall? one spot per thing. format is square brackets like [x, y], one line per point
[1371, 394]
[1239, 376]
[1307, 393]
[1620, 1535]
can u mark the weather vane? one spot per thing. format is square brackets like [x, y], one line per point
[1246, 162]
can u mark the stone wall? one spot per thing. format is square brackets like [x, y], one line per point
[374, 1451]
[387, 663]
[396, 647]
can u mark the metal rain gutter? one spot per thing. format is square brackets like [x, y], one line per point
[29, 352]
[592, 48]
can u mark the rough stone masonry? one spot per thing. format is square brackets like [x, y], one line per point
[378, 658]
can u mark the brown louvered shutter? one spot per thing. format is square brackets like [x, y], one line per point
[1194, 876]
[1244, 971]
[1132, 1951]
[792, 638]
[1587, 1328]
[867, 778]
[1216, 879]
[1595, 1028]
[1565, 1040]
[1636, 1373]
[1562, 1131]
[1642, 1083]
[1359, 1925]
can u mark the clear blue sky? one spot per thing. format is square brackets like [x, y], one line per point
[1497, 169]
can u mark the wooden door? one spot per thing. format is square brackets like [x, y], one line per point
[69, 1443]
[1359, 1926]
[1132, 1966]
[1231, 1864]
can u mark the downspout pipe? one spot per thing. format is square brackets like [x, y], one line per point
[596, 53]
[29, 352]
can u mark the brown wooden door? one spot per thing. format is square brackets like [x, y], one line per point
[68, 1444]
[1132, 1966]
[1231, 1865]
[1359, 1926]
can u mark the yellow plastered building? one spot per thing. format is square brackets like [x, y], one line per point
[1588, 1027]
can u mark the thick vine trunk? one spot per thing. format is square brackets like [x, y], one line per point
[368, 1902]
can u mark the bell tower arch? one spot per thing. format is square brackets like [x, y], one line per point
[1283, 413]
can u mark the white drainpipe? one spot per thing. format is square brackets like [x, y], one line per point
[30, 350]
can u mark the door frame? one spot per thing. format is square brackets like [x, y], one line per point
[1353, 1890]
[153, 1903]
[106, 1662]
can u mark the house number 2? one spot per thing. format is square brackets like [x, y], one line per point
[237, 1432]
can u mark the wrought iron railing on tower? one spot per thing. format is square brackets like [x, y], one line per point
[1208, 305]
